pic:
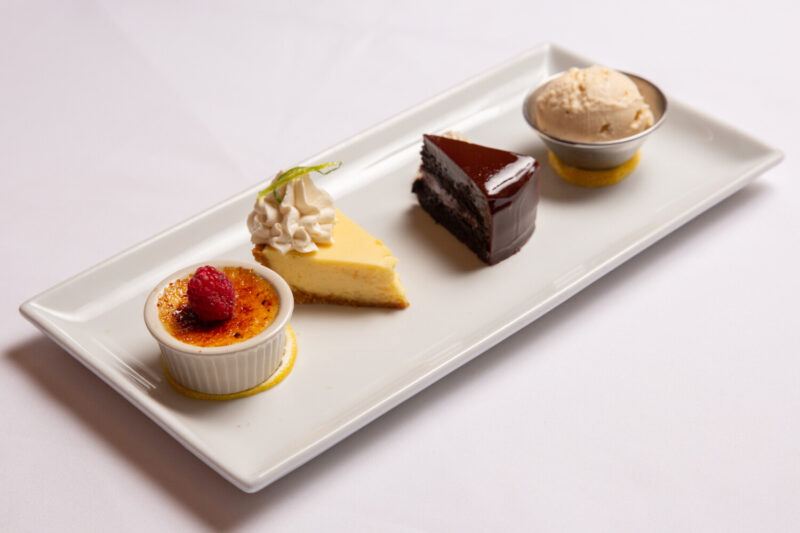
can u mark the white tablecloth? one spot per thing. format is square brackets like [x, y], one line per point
[665, 397]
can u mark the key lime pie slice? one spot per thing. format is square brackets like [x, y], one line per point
[321, 253]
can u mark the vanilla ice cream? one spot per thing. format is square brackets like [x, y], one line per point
[592, 105]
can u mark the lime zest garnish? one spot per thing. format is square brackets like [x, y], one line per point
[297, 172]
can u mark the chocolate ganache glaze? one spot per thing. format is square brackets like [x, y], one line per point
[486, 197]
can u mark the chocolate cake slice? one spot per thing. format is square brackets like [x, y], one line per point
[484, 196]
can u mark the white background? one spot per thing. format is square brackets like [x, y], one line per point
[664, 397]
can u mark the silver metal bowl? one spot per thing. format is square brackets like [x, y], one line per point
[599, 155]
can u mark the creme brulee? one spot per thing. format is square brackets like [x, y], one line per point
[256, 308]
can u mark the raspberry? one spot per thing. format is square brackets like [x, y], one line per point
[211, 294]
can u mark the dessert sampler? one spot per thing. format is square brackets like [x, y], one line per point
[484, 196]
[322, 254]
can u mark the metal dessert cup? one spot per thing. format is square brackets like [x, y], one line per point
[598, 155]
[223, 369]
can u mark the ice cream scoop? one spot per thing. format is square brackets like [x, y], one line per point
[592, 105]
[605, 152]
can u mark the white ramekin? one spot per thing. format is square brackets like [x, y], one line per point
[223, 369]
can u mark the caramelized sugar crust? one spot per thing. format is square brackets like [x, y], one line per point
[256, 308]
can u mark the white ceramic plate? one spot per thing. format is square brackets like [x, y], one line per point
[355, 364]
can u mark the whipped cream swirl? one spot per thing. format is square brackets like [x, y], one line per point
[303, 217]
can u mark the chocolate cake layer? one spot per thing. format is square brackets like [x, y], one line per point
[486, 197]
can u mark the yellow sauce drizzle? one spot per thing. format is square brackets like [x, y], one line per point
[593, 178]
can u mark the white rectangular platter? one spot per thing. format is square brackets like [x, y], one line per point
[355, 364]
